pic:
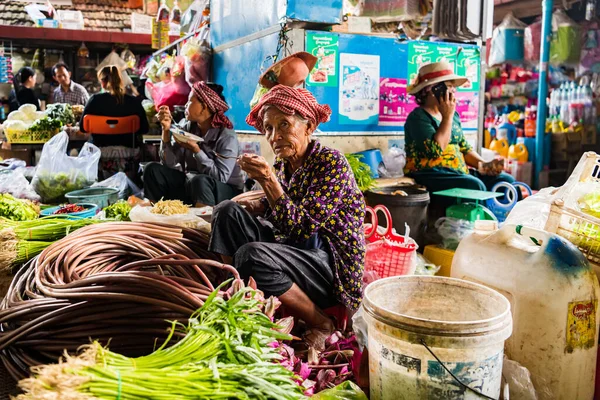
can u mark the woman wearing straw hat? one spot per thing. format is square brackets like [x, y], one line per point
[437, 154]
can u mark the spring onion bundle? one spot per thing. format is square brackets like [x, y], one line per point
[227, 352]
[20, 241]
[115, 282]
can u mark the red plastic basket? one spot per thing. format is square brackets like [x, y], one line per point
[388, 254]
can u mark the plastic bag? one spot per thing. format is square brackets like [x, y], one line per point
[172, 93]
[532, 40]
[123, 183]
[508, 41]
[189, 220]
[195, 16]
[197, 55]
[360, 328]
[344, 391]
[452, 231]
[16, 184]
[393, 163]
[425, 267]
[519, 381]
[533, 212]
[57, 173]
[389, 10]
[565, 47]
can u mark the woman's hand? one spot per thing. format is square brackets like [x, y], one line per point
[256, 167]
[164, 118]
[447, 105]
[254, 207]
[259, 169]
[189, 145]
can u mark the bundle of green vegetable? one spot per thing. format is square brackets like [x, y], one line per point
[361, 171]
[21, 241]
[52, 187]
[118, 211]
[61, 112]
[17, 209]
[45, 124]
[227, 353]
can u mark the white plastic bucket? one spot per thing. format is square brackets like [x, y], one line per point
[464, 324]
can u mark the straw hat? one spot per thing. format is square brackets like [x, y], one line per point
[290, 71]
[433, 73]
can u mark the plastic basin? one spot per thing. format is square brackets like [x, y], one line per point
[90, 210]
[100, 196]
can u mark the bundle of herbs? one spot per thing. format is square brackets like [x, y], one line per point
[17, 209]
[227, 352]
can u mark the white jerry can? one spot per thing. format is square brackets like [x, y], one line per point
[554, 301]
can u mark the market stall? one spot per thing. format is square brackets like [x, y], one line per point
[434, 294]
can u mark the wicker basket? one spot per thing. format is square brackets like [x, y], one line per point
[566, 220]
[27, 137]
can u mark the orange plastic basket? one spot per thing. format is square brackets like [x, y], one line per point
[388, 254]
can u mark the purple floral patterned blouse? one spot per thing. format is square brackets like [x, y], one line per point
[322, 197]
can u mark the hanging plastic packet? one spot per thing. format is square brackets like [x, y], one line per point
[83, 51]
[565, 47]
[163, 12]
[128, 56]
[508, 41]
[175, 13]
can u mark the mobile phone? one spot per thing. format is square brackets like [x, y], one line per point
[439, 90]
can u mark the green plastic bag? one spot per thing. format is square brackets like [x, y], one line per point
[345, 391]
[565, 47]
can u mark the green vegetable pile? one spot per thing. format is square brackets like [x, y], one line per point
[45, 124]
[227, 353]
[119, 211]
[20, 241]
[17, 209]
[53, 187]
[361, 171]
[61, 112]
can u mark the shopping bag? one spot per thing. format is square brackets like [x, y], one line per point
[58, 173]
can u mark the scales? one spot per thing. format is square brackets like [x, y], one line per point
[469, 211]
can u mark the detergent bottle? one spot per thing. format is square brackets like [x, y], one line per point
[518, 152]
[500, 146]
[553, 294]
[507, 130]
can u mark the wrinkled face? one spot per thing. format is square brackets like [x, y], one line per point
[195, 110]
[62, 76]
[288, 135]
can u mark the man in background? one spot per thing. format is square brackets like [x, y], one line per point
[68, 91]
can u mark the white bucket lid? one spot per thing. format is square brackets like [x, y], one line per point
[438, 306]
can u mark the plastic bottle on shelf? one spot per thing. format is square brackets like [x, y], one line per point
[564, 105]
[530, 121]
[554, 103]
[589, 109]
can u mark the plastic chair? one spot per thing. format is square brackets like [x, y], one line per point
[101, 125]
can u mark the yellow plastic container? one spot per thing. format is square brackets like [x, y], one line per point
[442, 257]
[500, 146]
[518, 152]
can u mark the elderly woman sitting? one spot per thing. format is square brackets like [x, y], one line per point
[310, 250]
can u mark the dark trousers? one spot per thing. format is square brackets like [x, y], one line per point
[275, 267]
[436, 181]
[162, 182]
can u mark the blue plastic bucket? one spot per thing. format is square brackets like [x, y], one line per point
[372, 158]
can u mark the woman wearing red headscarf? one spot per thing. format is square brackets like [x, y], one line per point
[310, 251]
[191, 171]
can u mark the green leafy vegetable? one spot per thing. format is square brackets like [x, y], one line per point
[16, 209]
[361, 171]
[119, 211]
[62, 113]
[590, 204]
[52, 187]
[46, 124]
